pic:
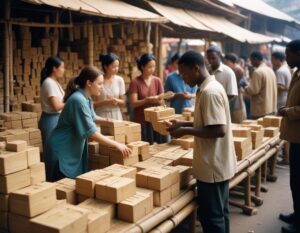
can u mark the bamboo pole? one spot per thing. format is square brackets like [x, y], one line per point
[36, 24]
[160, 55]
[55, 37]
[148, 35]
[70, 30]
[7, 55]
[11, 73]
[90, 35]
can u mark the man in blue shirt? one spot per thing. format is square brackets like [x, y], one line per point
[183, 92]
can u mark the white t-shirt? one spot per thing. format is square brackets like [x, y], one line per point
[49, 88]
[226, 77]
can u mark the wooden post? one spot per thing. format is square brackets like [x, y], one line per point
[7, 30]
[160, 51]
[148, 34]
[55, 37]
[90, 43]
[70, 30]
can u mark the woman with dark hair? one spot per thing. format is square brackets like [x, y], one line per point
[51, 95]
[144, 91]
[107, 104]
[66, 153]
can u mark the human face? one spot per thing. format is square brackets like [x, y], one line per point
[113, 68]
[188, 74]
[213, 59]
[292, 58]
[229, 63]
[254, 62]
[96, 86]
[149, 68]
[59, 71]
[276, 63]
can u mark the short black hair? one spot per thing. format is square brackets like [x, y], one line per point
[231, 57]
[213, 49]
[294, 46]
[144, 59]
[279, 56]
[191, 59]
[257, 55]
[107, 59]
[175, 57]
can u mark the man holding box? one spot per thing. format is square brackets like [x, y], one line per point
[214, 160]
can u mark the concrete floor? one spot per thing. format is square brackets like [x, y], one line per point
[276, 200]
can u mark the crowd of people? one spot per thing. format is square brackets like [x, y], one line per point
[221, 88]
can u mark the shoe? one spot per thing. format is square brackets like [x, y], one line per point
[290, 229]
[287, 218]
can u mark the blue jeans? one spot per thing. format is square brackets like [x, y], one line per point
[47, 124]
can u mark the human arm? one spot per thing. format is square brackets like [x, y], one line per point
[292, 113]
[255, 85]
[55, 103]
[210, 131]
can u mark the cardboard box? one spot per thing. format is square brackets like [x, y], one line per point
[33, 155]
[175, 190]
[271, 131]
[162, 197]
[16, 146]
[185, 142]
[115, 189]
[174, 156]
[14, 181]
[3, 202]
[187, 159]
[243, 147]
[174, 174]
[23, 225]
[133, 137]
[33, 200]
[150, 193]
[244, 132]
[272, 121]
[61, 219]
[37, 173]
[134, 208]
[101, 206]
[67, 182]
[154, 178]
[122, 171]
[143, 149]
[11, 162]
[85, 183]
[119, 159]
[121, 138]
[152, 162]
[185, 174]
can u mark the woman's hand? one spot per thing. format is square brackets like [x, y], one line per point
[126, 151]
[153, 100]
[113, 101]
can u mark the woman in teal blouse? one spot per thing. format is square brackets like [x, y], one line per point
[66, 152]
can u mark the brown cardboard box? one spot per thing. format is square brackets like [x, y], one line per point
[143, 148]
[244, 132]
[16, 146]
[154, 178]
[133, 137]
[271, 131]
[162, 197]
[185, 174]
[85, 183]
[134, 208]
[272, 121]
[175, 190]
[66, 192]
[152, 162]
[33, 155]
[174, 173]
[122, 171]
[187, 159]
[61, 219]
[174, 156]
[119, 159]
[3, 202]
[14, 181]
[37, 173]
[121, 138]
[185, 142]
[99, 205]
[150, 193]
[22, 226]
[115, 189]
[33, 200]
[11, 162]
[243, 147]
[67, 182]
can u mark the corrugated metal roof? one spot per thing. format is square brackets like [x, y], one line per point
[104, 8]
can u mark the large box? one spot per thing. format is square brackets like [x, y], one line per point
[122, 171]
[85, 183]
[162, 197]
[14, 181]
[16, 146]
[134, 208]
[37, 173]
[61, 219]
[33, 200]
[11, 162]
[115, 189]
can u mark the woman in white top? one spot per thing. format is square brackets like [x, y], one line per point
[52, 95]
[107, 105]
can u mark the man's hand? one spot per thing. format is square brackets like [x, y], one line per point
[179, 132]
[153, 100]
[183, 95]
[173, 125]
[283, 111]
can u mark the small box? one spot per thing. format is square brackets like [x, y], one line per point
[241, 132]
[115, 189]
[185, 174]
[16, 146]
[68, 193]
[143, 149]
[33, 200]
[85, 183]
[61, 219]
[162, 197]
[14, 181]
[3, 202]
[174, 173]
[33, 155]
[134, 208]
[11, 162]
[271, 131]
[122, 171]
[37, 173]
[99, 205]
[23, 225]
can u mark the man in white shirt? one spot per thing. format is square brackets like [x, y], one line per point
[222, 73]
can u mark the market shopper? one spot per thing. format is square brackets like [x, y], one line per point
[51, 95]
[144, 91]
[66, 153]
[237, 104]
[112, 97]
[214, 159]
[290, 131]
[262, 88]
[183, 92]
